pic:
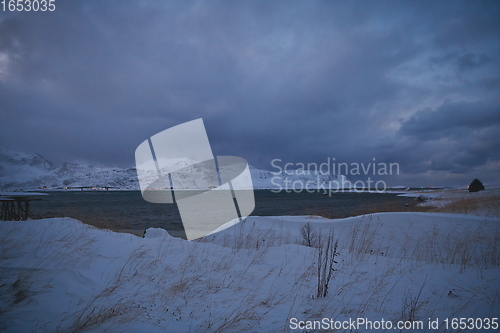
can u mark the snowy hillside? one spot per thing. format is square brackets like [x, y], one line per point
[19, 171]
[295, 179]
[262, 275]
[23, 171]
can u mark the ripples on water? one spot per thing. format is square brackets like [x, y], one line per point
[128, 211]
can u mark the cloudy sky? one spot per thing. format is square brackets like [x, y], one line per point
[409, 82]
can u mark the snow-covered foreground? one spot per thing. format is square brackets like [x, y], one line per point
[60, 275]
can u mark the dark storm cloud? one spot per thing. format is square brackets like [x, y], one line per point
[452, 120]
[457, 136]
[462, 61]
[408, 82]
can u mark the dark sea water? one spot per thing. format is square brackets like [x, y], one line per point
[128, 211]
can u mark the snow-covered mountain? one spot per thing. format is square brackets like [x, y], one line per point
[20, 171]
[27, 172]
[295, 180]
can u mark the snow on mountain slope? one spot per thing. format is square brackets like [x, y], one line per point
[23, 171]
[21, 167]
[19, 171]
[295, 180]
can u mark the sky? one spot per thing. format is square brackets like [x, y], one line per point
[410, 82]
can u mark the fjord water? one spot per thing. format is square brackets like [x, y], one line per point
[127, 211]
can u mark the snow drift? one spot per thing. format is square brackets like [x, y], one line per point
[259, 275]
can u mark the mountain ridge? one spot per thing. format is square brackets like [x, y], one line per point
[21, 171]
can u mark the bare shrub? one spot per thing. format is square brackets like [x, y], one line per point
[309, 236]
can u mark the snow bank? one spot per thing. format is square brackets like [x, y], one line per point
[63, 275]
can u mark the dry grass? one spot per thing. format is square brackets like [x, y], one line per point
[16, 287]
[466, 249]
[411, 304]
[369, 209]
[327, 251]
[486, 204]
[391, 207]
[362, 236]
[98, 315]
